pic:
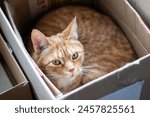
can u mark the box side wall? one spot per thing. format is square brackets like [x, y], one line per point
[20, 90]
[25, 61]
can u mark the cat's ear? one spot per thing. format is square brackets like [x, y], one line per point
[39, 40]
[71, 31]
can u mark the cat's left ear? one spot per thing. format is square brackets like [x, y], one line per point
[39, 40]
[71, 31]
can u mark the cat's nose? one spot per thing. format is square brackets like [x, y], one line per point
[71, 70]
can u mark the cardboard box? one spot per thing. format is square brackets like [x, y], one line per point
[142, 7]
[126, 17]
[13, 84]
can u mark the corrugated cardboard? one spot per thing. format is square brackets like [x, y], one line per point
[20, 89]
[132, 25]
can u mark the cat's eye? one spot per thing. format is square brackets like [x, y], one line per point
[75, 56]
[56, 62]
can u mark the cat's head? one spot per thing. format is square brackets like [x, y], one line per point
[61, 55]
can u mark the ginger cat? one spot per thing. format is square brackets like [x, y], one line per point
[89, 47]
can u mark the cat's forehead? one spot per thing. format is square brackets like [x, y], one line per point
[56, 39]
[62, 48]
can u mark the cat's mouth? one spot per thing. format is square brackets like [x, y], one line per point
[61, 76]
[88, 70]
[73, 74]
[67, 75]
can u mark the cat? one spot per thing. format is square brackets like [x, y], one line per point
[73, 45]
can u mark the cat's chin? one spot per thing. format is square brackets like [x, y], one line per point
[62, 77]
[70, 77]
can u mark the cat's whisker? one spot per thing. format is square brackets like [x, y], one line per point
[90, 67]
[85, 52]
[90, 70]
[89, 74]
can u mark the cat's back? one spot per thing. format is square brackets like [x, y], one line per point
[57, 20]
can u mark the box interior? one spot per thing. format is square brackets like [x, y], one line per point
[25, 20]
[126, 17]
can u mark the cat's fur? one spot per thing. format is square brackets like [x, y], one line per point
[99, 43]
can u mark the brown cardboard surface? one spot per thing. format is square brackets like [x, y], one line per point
[20, 89]
[136, 31]
[20, 7]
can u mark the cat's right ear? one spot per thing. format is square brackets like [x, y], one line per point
[71, 31]
[39, 40]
